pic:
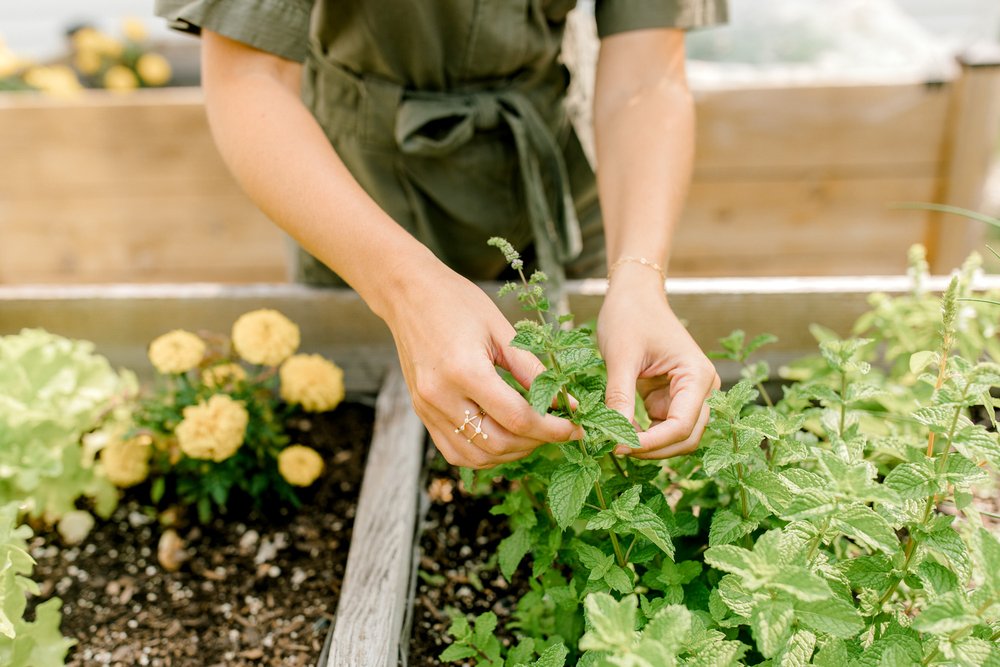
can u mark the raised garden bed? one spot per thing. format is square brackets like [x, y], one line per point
[787, 179]
[251, 589]
[371, 626]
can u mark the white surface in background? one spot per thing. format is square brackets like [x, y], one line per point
[787, 42]
[36, 29]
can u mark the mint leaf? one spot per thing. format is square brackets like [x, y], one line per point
[798, 651]
[544, 389]
[569, 487]
[610, 424]
[727, 527]
[771, 623]
[512, 550]
[834, 617]
[946, 614]
[864, 525]
[913, 480]
[611, 623]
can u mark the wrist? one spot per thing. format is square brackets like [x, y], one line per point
[395, 284]
[635, 278]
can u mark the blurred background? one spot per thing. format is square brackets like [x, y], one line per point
[816, 117]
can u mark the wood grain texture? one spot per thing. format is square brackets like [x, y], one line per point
[122, 319]
[369, 621]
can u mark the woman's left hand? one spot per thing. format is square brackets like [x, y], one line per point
[649, 352]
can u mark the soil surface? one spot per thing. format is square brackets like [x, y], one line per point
[458, 568]
[255, 588]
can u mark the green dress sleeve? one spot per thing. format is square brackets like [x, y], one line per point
[614, 16]
[280, 27]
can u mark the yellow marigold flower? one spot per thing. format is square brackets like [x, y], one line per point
[126, 462]
[176, 352]
[214, 429]
[313, 382]
[120, 79]
[265, 337]
[57, 80]
[88, 62]
[153, 69]
[134, 29]
[300, 465]
[223, 374]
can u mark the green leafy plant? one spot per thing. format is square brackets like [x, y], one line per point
[24, 643]
[53, 391]
[216, 422]
[833, 525]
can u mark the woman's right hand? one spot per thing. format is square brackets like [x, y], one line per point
[450, 337]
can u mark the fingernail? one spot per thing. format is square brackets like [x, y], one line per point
[622, 450]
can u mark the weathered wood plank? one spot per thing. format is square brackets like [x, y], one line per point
[372, 605]
[122, 319]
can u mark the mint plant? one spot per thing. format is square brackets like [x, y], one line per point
[835, 524]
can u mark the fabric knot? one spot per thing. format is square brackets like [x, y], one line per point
[485, 111]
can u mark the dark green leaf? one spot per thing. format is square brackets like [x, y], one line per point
[728, 527]
[612, 425]
[544, 389]
[568, 490]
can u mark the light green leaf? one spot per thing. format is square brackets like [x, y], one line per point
[610, 424]
[768, 488]
[771, 623]
[946, 614]
[917, 479]
[611, 623]
[798, 650]
[730, 558]
[952, 550]
[802, 584]
[568, 490]
[618, 580]
[483, 627]
[864, 525]
[651, 526]
[834, 617]
[727, 527]
[553, 656]
[544, 389]
[921, 360]
[456, 652]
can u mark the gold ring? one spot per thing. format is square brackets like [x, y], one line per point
[476, 422]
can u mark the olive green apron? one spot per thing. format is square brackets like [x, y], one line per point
[449, 113]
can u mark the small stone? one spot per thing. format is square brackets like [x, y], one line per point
[74, 526]
[137, 519]
[249, 540]
[170, 551]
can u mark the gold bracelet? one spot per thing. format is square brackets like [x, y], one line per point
[638, 260]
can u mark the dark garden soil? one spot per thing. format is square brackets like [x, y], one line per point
[458, 568]
[256, 589]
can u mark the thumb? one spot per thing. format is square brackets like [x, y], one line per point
[620, 392]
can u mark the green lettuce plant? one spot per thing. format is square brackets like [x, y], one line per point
[53, 391]
[831, 525]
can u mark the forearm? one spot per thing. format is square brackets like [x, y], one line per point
[283, 160]
[644, 130]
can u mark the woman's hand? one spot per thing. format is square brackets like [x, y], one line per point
[645, 345]
[451, 337]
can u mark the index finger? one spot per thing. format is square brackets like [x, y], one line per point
[686, 404]
[508, 408]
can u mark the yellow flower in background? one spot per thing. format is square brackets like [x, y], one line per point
[120, 79]
[56, 80]
[91, 39]
[300, 465]
[134, 29]
[223, 374]
[176, 352]
[214, 429]
[313, 382]
[126, 462]
[10, 63]
[265, 337]
[88, 62]
[153, 69]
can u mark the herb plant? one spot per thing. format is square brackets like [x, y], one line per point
[833, 524]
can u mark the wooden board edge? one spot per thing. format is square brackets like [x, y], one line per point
[370, 612]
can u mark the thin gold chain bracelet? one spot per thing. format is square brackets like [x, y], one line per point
[637, 260]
